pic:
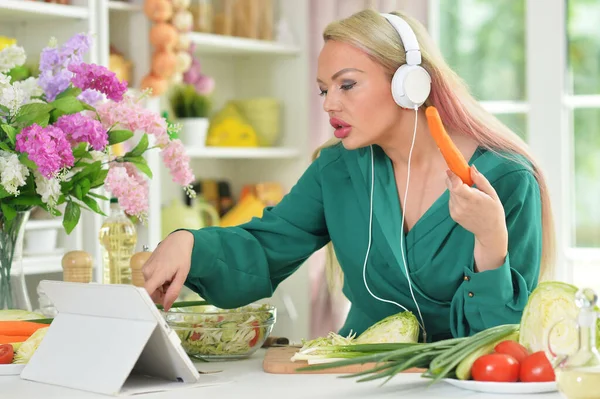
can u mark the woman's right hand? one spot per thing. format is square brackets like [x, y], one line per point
[167, 268]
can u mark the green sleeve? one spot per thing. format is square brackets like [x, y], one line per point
[234, 266]
[495, 297]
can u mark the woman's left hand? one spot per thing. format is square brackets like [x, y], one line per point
[480, 211]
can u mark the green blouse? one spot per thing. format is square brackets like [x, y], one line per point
[235, 266]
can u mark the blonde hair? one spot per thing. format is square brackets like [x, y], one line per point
[459, 111]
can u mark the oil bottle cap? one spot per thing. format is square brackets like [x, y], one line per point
[586, 300]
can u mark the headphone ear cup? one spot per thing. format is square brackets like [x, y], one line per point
[411, 86]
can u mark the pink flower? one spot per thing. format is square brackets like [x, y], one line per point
[47, 147]
[99, 78]
[129, 187]
[177, 161]
[81, 129]
[128, 114]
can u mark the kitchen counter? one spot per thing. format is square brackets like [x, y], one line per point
[247, 380]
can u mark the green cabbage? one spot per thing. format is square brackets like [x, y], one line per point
[402, 327]
[551, 303]
[397, 328]
[28, 348]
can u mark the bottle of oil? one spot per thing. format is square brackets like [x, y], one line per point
[578, 376]
[118, 239]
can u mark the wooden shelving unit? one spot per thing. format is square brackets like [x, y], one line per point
[241, 67]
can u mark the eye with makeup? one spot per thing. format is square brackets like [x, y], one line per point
[347, 85]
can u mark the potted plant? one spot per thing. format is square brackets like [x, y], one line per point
[191, 102]
[56, 133]
[192, 110]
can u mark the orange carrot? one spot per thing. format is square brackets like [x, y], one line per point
[13, 339]
[454, 158]
[19, 327]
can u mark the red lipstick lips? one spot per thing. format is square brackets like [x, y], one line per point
[342, 129]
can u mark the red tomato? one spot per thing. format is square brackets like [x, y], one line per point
[537, 368]
[6, 354]
[513, 349]
[496, 367]
[254, 340]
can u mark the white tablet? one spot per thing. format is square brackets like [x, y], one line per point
[105, 335]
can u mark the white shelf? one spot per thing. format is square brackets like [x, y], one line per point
[114, 5]
[42, 264]
[242, 153]
[44, 224]
[20, 10]
[217, 44]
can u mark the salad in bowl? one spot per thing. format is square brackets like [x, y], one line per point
[211, 333]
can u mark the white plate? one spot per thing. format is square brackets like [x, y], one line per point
[11, 369]
[504, 387]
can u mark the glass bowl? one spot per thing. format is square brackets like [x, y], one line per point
[211, 333]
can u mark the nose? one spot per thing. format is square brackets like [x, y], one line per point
[331, 102]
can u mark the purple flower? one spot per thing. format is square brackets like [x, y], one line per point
[97, 77]
[81, 129]
[54, 76]
[91, 97]
[47, 147]
[54, 84]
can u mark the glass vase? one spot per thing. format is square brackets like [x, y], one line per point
[12, 282]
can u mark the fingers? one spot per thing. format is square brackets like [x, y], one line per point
[457, 187]
[153, 281]
[482, 183]
[174, 289]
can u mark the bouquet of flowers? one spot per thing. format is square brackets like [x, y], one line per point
[56, 133]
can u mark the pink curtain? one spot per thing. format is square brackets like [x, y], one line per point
[329, 309]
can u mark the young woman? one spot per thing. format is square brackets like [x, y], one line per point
[407, 233]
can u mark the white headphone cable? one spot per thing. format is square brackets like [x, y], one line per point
[422, 324]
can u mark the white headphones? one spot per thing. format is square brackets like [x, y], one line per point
[411, 83]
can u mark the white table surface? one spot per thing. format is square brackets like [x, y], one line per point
[249, 381]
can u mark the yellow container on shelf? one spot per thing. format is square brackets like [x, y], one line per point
[264, 115]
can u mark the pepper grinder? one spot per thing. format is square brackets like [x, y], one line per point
[136, 263]
[77, 267]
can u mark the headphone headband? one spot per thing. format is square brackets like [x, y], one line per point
[408, 37]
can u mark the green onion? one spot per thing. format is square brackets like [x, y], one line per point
[439, 358]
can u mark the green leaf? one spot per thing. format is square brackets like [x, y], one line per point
[81, 151]
[93, 205]
[88, 170]
[99, 196]
[144, 168]
[99, 179]
[24, 159]
[4, 109]
[140, 163]
[11, 132]
[85, 186]
[71, 91]
[31, 112]
[4, 193]
[8, 211]
[119, 136]
[27, 200]
[43, 120]
[72, 215]
[140, 148]
[55, 114]
[78, 192]
[68, 104]
[5, 147]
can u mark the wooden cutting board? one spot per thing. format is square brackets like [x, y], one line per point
[277, 361]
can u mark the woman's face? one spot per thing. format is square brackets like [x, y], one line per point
[357, 95]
